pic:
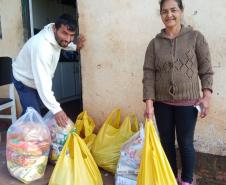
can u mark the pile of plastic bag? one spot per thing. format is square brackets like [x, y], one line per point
[27, 147]
[135, 154]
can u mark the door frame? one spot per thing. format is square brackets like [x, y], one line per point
[28, 21]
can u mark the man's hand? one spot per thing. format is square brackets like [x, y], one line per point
[61, 119]
[80, 41]
[149, 111]
[204, 103]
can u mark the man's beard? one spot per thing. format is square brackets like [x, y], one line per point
[60, 42]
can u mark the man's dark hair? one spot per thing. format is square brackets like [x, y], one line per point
[67, 20]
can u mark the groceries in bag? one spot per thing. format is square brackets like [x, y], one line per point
[27, 147]
[75, 165]
[155, 168]
[58, 135]
[122, 180]
[129, 161]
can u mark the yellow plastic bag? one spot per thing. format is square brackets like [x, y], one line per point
[75, 165]
[155, 168]
[112, 135]
[84, 128]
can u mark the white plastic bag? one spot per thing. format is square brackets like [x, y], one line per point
[27, 147]
[58, 136]
[121, 180]
[130, 158]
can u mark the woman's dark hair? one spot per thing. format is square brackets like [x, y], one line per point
[179, 2]
[67, 20]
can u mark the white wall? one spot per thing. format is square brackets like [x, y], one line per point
[118, 33]
[12, 32]
[12, 28]
[209, 17]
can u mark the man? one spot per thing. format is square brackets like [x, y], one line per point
[36, 63]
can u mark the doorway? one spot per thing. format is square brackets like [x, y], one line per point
[67, 78]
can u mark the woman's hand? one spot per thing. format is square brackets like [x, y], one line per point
[149, 111]
[204, 103]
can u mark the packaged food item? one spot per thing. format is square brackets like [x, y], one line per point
[130, 158]
[34, 148]
[121, 180]
[27, 147]
[58, 135]
[55, 151]
[28, 173]
[20, 159]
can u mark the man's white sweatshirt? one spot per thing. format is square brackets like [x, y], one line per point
[36, 63]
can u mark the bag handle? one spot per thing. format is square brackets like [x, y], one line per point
[82, 149]
[71, 136]
[130, 125]
[116, 115]
[80, 116]
[84, 124]
[88, 124]
[135, 125]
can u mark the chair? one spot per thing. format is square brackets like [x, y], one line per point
[6, 79]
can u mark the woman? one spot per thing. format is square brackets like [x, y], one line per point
[175, 60]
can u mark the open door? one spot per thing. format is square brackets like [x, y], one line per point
[67, 78]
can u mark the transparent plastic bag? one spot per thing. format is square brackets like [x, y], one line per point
[27, 147]
[58, 135]
[130, 158]
[122, 180]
